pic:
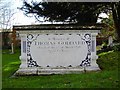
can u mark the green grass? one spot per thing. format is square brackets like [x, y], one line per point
[109, 60]
[107, 78]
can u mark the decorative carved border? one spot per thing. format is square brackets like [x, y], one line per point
[32, 63]
[87, 61]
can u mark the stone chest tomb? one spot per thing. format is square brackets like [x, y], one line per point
[57, 48]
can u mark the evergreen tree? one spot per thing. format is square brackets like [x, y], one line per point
[73, 12]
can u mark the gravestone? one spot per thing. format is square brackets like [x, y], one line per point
[110, 41]
[57, 49]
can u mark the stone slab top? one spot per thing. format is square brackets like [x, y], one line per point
[58, 27]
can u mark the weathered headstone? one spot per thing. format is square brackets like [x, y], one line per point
[110, 41]
[57, 49]
[12, 48]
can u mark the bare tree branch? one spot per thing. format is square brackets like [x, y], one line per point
[6, 14]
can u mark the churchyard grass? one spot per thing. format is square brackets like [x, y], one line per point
[106, 78]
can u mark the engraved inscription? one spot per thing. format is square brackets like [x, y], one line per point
[61, 50]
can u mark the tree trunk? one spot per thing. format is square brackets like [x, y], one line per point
[116, 17]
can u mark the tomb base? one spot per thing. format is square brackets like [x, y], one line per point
[51, 71]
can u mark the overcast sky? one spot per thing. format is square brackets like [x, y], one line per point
[19, 16]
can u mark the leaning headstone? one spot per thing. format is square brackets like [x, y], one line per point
[57, 49]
